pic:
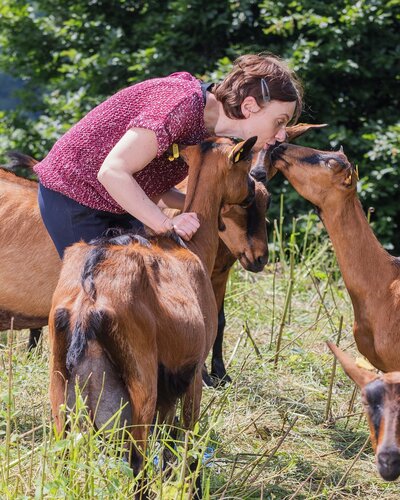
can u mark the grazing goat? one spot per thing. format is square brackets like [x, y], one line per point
[380, 396]
[150, 306]
[371, 275]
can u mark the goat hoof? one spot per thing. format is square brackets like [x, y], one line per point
[216, 378]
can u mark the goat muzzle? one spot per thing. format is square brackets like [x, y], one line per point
[276, 152]
[388, 463]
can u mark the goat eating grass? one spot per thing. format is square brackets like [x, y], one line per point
[150, 306]
[380, 396]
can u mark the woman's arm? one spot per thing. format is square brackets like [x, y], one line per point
[132, 153]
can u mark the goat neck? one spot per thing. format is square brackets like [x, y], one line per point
[214, 179]
[365, 266]
[204, 197]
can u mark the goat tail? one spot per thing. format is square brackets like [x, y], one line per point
[89, 326]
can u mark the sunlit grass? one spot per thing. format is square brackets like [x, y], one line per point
[272, 433]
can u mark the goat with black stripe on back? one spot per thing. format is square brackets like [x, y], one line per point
[151, 307]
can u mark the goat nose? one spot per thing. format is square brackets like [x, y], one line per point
[263, 259]
[259, 263]
[389, 464]
[259, 174]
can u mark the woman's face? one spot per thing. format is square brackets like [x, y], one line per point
[268, 123]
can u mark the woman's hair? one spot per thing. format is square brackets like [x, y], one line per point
[246, 79]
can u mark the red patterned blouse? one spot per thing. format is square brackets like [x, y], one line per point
[172, 107]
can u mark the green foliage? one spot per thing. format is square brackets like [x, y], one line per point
[347, 54]
[71, 55]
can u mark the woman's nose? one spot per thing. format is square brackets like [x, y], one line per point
[281, 135]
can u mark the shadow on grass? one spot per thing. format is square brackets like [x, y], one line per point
[267, 491]
[349, 442]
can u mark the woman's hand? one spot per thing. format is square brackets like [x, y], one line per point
[185, 225]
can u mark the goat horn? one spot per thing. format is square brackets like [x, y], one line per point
[341, 149]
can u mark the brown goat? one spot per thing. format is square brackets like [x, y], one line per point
[226, 258]
[151, 306]
[30, 266]
[380, 396]
[371, 275]
[243, 237]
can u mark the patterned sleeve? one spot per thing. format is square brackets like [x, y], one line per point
[170, 119]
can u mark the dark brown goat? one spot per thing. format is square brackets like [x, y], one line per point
[243, 237]
[380, 396]
[151, 307]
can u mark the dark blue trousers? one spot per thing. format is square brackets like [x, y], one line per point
[67, 221]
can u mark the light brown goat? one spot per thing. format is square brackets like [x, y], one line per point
[380, 396]
[371, 275]
[29, 264]
[151, 307]
[372, 278]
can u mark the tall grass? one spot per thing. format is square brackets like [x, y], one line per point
[290, 424]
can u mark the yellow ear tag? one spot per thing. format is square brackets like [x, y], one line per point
[237, 157]
[235, 154]
[175, 152]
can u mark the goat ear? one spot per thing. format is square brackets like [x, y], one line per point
[242, 150]
[359, 375]
[300, 129]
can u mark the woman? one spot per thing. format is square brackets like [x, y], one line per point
[114, 168]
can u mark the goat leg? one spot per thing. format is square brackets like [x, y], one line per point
[190, 414]
[218, 371]
[58, 376]
[34, 337]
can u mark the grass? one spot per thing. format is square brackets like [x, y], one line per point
[289, 426]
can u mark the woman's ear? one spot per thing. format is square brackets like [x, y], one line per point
[249, 105]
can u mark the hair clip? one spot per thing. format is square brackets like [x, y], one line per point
[265, 90]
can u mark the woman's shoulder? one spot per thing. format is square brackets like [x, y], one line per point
[182, 75]
[179, 84]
